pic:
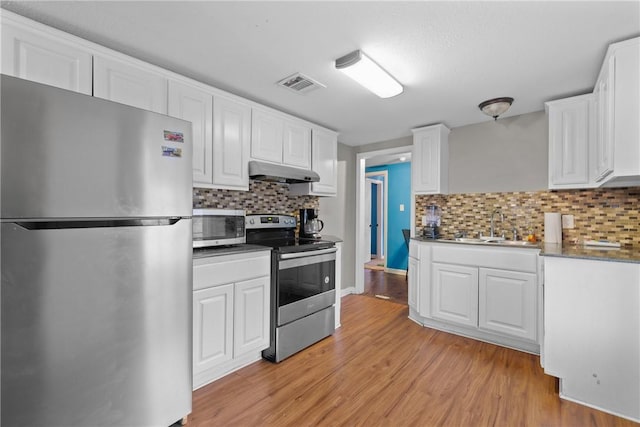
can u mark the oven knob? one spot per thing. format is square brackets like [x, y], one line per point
[251, 221]
[326, 280]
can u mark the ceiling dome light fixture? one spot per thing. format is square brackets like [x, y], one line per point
[363, 70]
[496, 107]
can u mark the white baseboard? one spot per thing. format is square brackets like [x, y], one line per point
[347, 291]
[395, 271]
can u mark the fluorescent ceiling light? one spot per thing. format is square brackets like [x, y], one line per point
[363, 70]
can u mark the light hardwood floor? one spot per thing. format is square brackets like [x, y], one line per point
[394, 286]
[382, 369]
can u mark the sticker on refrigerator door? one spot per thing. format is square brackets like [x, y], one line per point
[171, 151]
[173, 136]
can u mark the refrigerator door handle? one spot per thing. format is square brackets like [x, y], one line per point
[98, 223]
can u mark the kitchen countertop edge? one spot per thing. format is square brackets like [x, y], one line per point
[627, 255]
[228, 250]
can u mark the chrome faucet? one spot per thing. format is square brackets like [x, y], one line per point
[496, 211]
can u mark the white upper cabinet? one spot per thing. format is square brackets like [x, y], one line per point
[278, 140]
[267, 131]
[221, 135]
[44, 55]
[129, 83]
[324, 161]
[618, 136]
[429, 162]
[194, 105]
[231, 142]
[604, 137]
[571, 123]
[296, 150]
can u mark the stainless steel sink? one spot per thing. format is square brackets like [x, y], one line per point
[469, 240]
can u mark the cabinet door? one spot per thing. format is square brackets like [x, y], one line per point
[604, 92]
[251, 318]
[414, 280]
[455, 294]
[266, 136]
[231, 141]
[212, 327]
[296, 150]
[44, 58]
[196, 106]
[507, 303]
[324, 161]
[129, 84]
[569, 123]
[430, 158]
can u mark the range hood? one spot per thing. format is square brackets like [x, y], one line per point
[261, 171]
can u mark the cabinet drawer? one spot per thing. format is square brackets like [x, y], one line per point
[508, 259]
[220, 270]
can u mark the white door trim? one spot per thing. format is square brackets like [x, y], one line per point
[361, 159]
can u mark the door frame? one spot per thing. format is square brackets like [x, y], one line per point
[361, 159]
[382, 188]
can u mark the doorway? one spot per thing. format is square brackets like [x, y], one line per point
[363, 204]
[376, 218]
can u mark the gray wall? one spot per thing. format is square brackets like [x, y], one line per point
[506, 155]
[500, 156]
[339, 213]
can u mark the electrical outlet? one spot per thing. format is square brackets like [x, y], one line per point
[568, 222]
[401, 207]
[424, 220]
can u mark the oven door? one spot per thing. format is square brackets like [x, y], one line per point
[305, 283]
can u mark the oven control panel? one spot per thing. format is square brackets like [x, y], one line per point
[270, 221]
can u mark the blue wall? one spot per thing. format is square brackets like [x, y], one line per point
[399, 188]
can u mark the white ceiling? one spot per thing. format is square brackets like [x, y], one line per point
[450, 56]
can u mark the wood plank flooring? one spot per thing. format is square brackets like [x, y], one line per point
[380, 283]
[381, 369]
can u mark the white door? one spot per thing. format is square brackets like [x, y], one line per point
[367, 221]
[252, 316]
[266, 136]
[196, 106]
[129, 84]
[507, 302]
[43, 58]
[231, 143]
[212, 327]
[296, 150]
[455, 294]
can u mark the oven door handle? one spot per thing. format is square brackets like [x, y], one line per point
[308, 253]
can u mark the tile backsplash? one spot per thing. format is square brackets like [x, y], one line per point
[262, 197]
[612, 213]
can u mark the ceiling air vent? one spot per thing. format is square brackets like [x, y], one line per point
[300, 83]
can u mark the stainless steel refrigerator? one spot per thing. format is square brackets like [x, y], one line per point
[96, 205]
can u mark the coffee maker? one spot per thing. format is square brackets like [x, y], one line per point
[310, 225]
[431, 227]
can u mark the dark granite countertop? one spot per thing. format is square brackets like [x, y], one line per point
[475, 242]
[591, 252]
[227, 250]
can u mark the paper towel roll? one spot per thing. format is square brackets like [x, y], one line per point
[552, 227]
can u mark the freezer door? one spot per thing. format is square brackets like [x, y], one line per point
[96, 325]
[67, 155]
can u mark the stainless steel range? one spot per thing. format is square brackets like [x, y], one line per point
[302, 284]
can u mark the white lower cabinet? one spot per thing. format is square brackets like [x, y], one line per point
[231, 303]
[592, 338]
[455, 294]
[507, 302]
[212, 327]
[486, 292]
